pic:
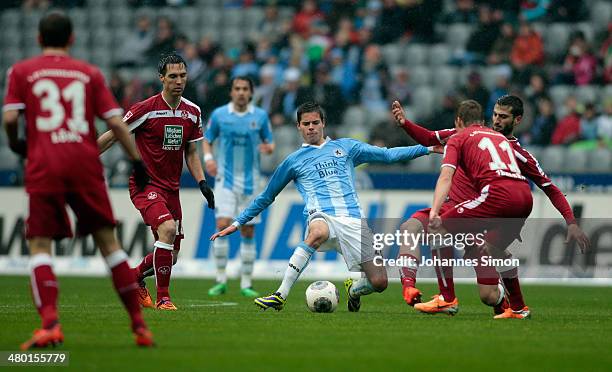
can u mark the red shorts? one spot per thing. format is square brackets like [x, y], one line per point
[156, 206]
[48, 216]
[423, 214]
[500, 210]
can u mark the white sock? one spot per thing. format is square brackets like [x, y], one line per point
[117, 257]
[297, 263]
[247, 260]
[220, 251]
[502, 293]
[361, 287]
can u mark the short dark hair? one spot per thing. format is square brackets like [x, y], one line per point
[469, 111]
[55, 30]
[169, 59]
[243, 78]
[310, 106]
[515, 104]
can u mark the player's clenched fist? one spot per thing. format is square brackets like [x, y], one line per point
[398, 113]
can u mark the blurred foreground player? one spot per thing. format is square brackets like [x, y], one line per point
[59, 97]
[323, 172]
[167, 127]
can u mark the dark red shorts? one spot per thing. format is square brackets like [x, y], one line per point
[48, 216]
[500, 210]
[156, 206]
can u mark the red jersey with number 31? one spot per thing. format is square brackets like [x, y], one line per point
[486, 156]
[60, 97]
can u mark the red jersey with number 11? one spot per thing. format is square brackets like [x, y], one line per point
[485, 155]
[60, 97]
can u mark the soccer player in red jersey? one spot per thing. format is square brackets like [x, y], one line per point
[60, 96]
[507, 115]
[167, 127]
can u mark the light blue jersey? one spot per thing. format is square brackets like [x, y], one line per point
[325, 176]
[240, 135]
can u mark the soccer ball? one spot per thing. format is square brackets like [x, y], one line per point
[322, 297]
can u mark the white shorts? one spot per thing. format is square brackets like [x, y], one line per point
[229, 204]
[349, 236]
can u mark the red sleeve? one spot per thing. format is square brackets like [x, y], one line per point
[557, 198]
[136, 115]
[105, 103]
[427, 137]
[452, 153]
[14, 97]
[196, 133]
[530, 168]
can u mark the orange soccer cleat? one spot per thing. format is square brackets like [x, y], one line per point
[44, 337]
[412, 295]
[524, 313]
[165, 304]
[144, 337]
[144, 297]
[438, 305]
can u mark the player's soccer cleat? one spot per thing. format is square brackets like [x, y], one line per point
[524, 313]
[165, 304]
[353, 304]
[44, 337]
[218, 289]
[249, 292]
[144, 297]
[144, 337]
[412, 295]
[438, 305]
[275, 301]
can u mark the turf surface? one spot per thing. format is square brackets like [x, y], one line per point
[570, 330]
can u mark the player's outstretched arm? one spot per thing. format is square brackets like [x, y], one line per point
[10, 118]
[423, 136]
[365, 153]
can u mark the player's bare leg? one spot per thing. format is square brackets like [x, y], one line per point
[509, 275]
[410, 250]
[247, 261]
[220, 249]
[44, 293]
[374, 279]
[124, 281]
[490, 289]
[162, 263]
[318, 233]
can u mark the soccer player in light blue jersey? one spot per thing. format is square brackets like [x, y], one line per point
[242, 131]
[323, 172]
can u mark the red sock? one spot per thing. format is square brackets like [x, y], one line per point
[145, 265]
[44, 289]
[162, 261]
[447, 291]
[511, 282]
[124, 280]
[408, 273]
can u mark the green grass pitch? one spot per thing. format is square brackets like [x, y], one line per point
[570, 330]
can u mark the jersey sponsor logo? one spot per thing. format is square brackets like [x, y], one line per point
[152, 195]
[173, 137]
[327, 168]
[240, 140]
